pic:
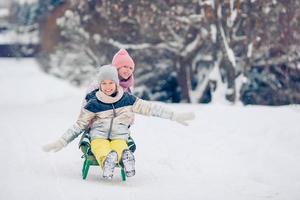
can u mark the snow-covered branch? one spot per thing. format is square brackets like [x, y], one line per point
[290, 58]
[179, 40]
[192, 46]
[92, 56]
[141, 46]
[229, 51]
[191, 19]
[250, 50]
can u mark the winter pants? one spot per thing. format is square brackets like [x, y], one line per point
[102, 147]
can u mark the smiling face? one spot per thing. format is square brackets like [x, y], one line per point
[125, 72]
[108, 87]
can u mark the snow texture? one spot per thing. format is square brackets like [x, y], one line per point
[12, 37]
[228, 152]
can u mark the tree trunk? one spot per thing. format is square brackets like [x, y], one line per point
[229, 79]
[183, 77]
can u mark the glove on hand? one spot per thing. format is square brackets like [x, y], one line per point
[55, 146]
[183, 117]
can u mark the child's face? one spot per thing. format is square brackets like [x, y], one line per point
[125, 72]
[108, 87]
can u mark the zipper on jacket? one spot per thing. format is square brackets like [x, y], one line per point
[112, 120]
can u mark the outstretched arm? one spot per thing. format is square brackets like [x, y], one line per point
[73, 132]
[152, 109]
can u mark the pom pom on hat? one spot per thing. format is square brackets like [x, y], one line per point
[108, 72]
[122, 58]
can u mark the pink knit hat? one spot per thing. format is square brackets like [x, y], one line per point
[122, 58]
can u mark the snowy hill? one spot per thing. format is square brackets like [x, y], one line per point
[228, 152]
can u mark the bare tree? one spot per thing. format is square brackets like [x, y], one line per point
[211, 44]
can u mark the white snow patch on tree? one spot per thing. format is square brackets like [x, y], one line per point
[250, 50]
[239, 81]
[229, 51]
[213, 31]
[207, 2]
[218, 96]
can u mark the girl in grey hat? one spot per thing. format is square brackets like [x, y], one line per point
[112, 110]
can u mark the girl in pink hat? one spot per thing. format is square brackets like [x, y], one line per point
[125, 66]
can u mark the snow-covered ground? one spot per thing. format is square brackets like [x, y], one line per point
[228, 152]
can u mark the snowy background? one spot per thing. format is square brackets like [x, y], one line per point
[234, 51]
[227, 152]
[225, 53]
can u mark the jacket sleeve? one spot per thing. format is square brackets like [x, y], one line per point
[80, 125]
[149, 108]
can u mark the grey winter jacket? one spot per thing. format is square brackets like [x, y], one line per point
[112, 116]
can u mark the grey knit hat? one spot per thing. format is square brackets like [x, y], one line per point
[108, 72]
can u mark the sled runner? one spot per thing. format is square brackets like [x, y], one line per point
[89, 158]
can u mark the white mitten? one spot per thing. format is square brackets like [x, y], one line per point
[55, 146]
[183, 117]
